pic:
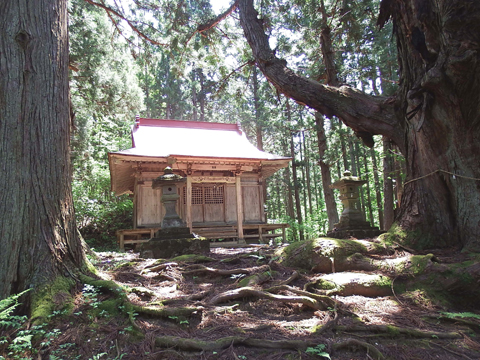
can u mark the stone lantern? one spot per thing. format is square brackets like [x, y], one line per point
[174, 238]
[168, 182]
[352, 220]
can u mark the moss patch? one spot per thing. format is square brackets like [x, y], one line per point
[414, 239]
[52, 297]
[307, 254]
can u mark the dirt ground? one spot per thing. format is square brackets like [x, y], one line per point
[204, 315]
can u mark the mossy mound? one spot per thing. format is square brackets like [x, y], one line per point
[315, 252]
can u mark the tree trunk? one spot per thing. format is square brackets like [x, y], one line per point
[194, 95]
[256, 104]
[306, 164]
[201, 78]
[388, 205]
[378, 193]
[328, 193]
[296, 192]
[434, 118]
[38, 235]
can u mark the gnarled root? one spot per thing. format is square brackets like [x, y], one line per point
[223, 343]
[251, 292]
[372, 351]
[198, 269]
[389, 331]
[327, 301]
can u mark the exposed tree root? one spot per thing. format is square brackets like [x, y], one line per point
[161, 266]
[198, 269]
[372, 351]
[295, 275]
[326, 300]
[475, 326]
[195, 297]
[246, 292]
[164, 277]
[224, 343]
[392, 331]
[180, 312]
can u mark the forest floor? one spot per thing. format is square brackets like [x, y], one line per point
[242, 303]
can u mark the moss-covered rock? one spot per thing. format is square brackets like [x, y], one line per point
[169, 248]
[348, 283]
[319, 253]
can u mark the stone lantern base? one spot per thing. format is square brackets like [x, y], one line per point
[172, 242]
[362, 233]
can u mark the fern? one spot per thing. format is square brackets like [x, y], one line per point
[7, 307]
[460, 315]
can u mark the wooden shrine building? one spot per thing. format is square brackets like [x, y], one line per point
[223, 196]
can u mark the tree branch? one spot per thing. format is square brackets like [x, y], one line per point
[111, 11]
[363, 113]
[214, 22]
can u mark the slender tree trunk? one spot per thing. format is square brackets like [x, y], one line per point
[256, 104]
[302, 170]
[353, 161]
[147, 90]
[201, 78]
[346, 165]
[288, 184]
[378, 192]
[328, 193]
[194, 96]
[307, 176]
[388, 213]
[298, 205]
[369, 198]
[398, 179]
[38, 235]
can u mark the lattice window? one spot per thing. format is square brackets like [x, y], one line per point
[213, 194]
[197, 195]
[206, 194]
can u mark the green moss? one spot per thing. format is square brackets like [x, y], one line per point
[192, 258]
[256, 279]
[414, 239]
[325, 285]
[52, 297]
[124, 265]
[88, 267]
[306, 254]
[108, 285]
[383, 281]
[393, 330]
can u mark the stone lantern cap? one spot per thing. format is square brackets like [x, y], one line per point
[168, 178]
[348, 180]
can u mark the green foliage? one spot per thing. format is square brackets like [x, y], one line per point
[7, 308]
[318, 350]
[18, 340]
[105, 97]
[462, 315]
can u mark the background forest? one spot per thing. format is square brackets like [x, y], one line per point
[172, 71]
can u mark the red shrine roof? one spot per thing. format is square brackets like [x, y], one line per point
[159, 140]
[163, 138]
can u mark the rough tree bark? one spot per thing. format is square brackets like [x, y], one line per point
[38, 237]
[434, 118]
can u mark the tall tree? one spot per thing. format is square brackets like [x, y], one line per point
[38, 236]
[434, 118]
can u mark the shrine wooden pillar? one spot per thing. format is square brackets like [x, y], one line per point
[238, 192]
[188, 215]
